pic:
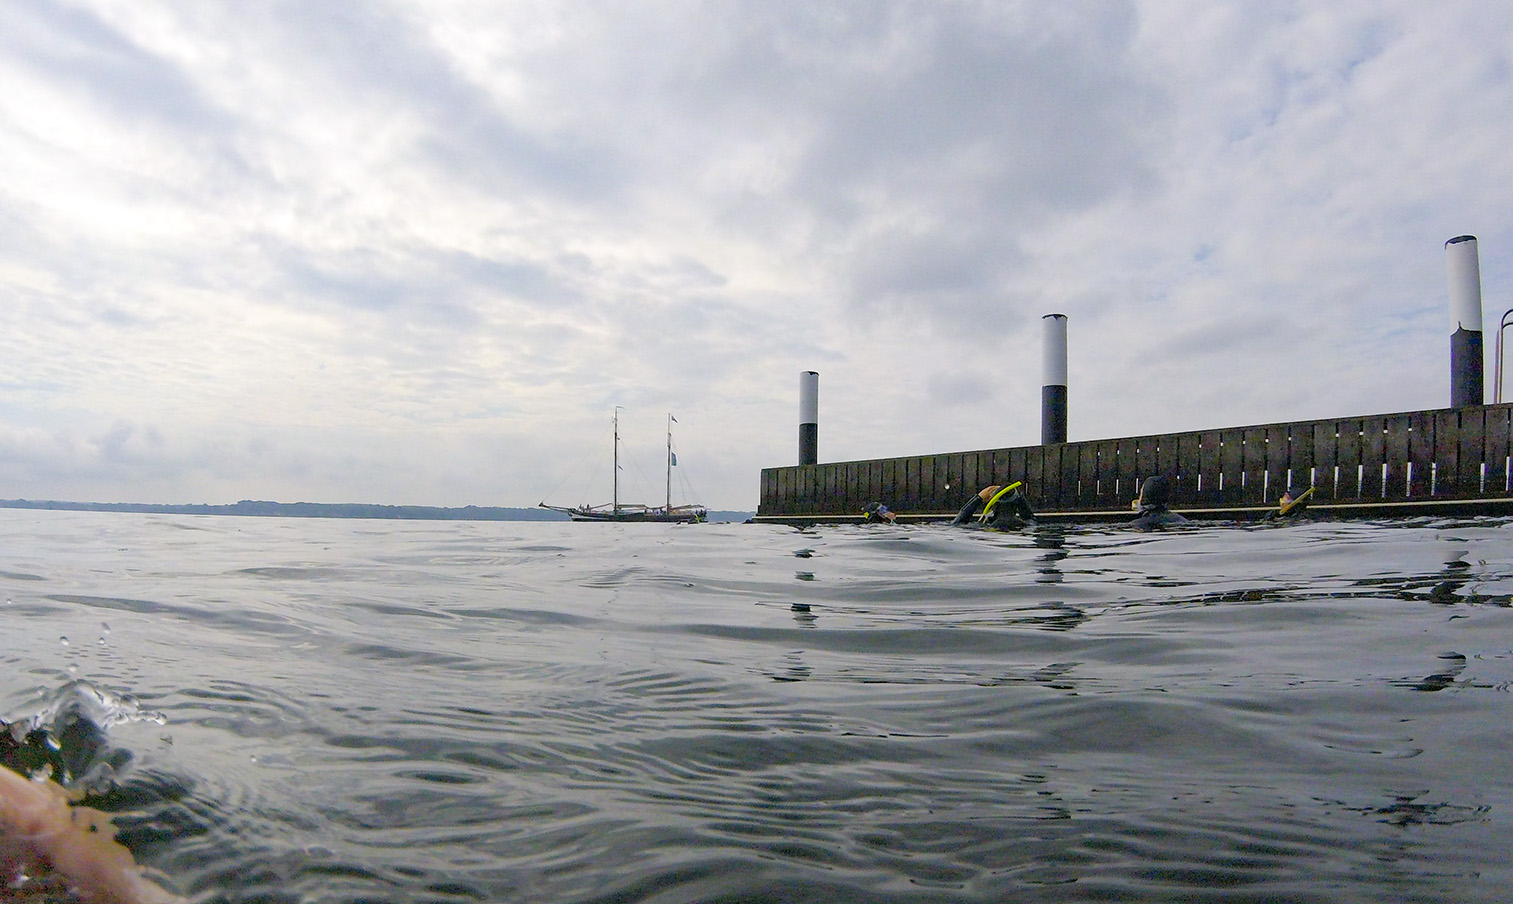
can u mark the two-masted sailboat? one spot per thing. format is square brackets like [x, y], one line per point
[628, 511]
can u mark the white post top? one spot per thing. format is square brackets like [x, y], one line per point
[1053, 351]
[1465, 283]
[809, 397]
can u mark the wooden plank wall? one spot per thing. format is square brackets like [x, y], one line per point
[1441, 454]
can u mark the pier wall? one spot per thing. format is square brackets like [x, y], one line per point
[1371, 463]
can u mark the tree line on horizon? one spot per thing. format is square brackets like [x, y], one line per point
[255, 507]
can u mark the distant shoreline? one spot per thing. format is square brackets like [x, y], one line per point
[258, 508]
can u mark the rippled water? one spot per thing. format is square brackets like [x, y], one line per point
[427, 711]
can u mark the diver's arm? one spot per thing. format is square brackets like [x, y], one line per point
[1020, 506]
[38, 829]
[968, 511]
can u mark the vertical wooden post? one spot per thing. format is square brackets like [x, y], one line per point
[1470, 454]
[1446, 453]
[1210, 466]
[1348, 457]
[1373, 457]
[1189, 457]
[1499, 428]
[1087, 475]
[1420, 452]
[1396, 433]
[1300, 455]
[1232, 465]
[1254, 463]
[1278, 460]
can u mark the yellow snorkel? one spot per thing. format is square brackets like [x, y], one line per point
[988, 509]
[1294, 501]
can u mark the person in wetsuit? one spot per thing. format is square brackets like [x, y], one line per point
[1292, 505]
[1003, 508]
[1153, 513]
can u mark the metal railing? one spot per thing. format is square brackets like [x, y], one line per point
[1497, 370]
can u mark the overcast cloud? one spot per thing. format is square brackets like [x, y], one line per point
[417, 252]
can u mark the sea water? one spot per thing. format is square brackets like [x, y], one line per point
[327, 710]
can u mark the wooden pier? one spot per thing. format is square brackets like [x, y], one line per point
[1447, 461]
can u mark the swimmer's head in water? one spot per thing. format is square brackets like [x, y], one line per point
[1294, 499]
[1007, 508]
[1154, 492]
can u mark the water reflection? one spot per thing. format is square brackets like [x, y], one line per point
[1059, 616]
[1407, 810]
[1454, 584]
[794, 668]
[1056, 675]
[1052, 539]
[1454, 664]
[1447, 591]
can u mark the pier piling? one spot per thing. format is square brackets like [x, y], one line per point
[1053, 383]
[809, 417]
[1466, 356]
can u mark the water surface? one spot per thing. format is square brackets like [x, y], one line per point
[322, 710]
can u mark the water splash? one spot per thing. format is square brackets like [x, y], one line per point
[67, 738]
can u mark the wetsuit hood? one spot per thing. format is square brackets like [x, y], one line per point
[1154, 494]
[1012, 510]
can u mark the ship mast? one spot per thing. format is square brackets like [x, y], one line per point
[616, 498]
[669, 461]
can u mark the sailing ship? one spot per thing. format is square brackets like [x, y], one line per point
[628, 511]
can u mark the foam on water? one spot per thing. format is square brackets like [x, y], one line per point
[442, 711]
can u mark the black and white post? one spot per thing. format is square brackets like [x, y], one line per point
[809, 418]
[1466, 355]
[1053, 386]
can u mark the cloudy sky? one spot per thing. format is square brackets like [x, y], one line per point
[417, 251]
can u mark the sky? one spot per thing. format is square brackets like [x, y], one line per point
[419, 251]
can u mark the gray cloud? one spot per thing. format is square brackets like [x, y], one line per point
[379, 54]
[986, 119]
[930, 141]
[75, 48]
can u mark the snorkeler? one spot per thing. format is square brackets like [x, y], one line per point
[1001, 508]
[1153, 513]
[1292, 505]
[878, 512]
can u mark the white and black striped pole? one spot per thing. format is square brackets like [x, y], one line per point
[1466, 355]
[809, 418]
[1053, 386]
